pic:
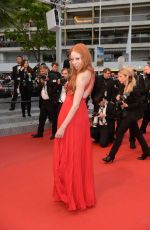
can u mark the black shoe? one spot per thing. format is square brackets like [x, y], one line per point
[143, 157]
[52, 137]
[23, 115]
[29, 114]
[108, 159]
[36, 135]
[11, 109]
[132, 145]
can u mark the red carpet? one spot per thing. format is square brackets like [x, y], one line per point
[26, 179]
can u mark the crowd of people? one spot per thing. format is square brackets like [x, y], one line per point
[51, 90]
[119, 103]
[111, 93]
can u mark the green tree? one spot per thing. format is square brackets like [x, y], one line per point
[7, 9]
[30, 28]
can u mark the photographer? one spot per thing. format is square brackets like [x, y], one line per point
[55, 90]
[49, 88]
[130, 116]
[44, 101]
[63, 81]
[26, 86]
[103, 126]
[104, 85]
[15, 77]
[146, 117]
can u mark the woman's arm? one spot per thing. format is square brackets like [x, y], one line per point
[81, 82]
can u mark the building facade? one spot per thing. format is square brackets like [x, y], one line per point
[97, 23]
[106, 23]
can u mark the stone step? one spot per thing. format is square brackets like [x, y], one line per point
[21, 127]
[12, 122]
[12, 118]
[5, 102]
[17, 112]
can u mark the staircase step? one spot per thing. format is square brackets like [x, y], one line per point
[17, 112]
[12, 122]
[5, 103]
[21, 127]
[12, 118]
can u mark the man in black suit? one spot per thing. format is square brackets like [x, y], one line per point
[103, 127]
[55, 90]
[141, 87]
[16, 79]
[146, 117]
[50, 88]
[104, 86]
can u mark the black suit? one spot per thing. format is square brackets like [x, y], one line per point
[26, 87]
[146, 117]
[104, 88]
[54, 95]
[49, 108]
[141, 87]
[15, 77]
[134, 101]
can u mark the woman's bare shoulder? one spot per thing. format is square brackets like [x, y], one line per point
[84, 76]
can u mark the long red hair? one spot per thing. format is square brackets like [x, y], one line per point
[86, 64]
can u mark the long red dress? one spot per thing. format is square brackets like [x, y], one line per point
[73, 166]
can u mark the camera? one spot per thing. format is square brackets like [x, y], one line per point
[95, 119]
[122, 111]
[63, 81]
[123, 98]
[98, 121]
[42, 77]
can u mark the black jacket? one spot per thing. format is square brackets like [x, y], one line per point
[15, 76]
[101, 86]
[134, 100]
[26, 82]
[54, 89]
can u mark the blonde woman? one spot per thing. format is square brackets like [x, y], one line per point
[130, 102]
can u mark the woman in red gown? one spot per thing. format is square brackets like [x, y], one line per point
[73, 169]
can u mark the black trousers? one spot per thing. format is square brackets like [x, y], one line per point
[48, 110]
[14, 99]
[146, 118]
[124, 125]
[54, 116]
[103, 134]
[131, 132]
[59, 106]
[26, 103]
